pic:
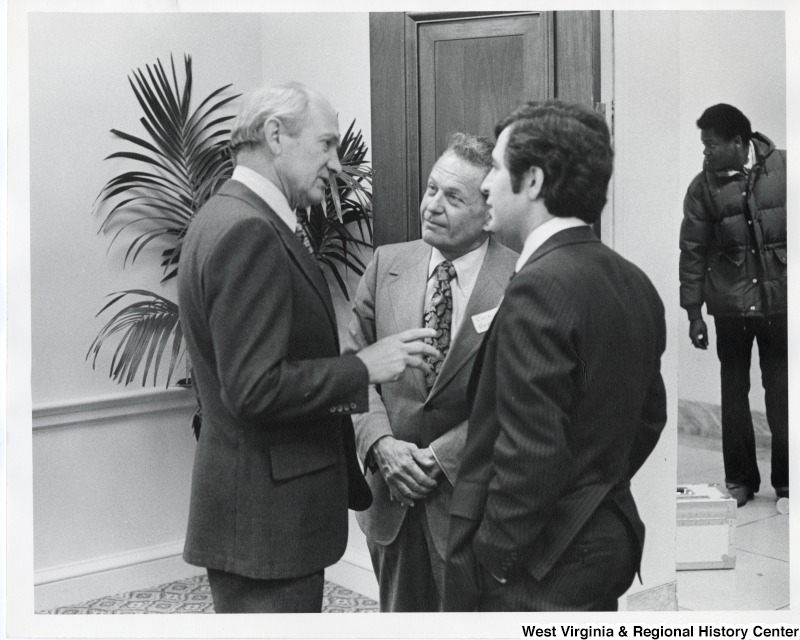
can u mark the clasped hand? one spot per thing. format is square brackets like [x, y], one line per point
[408, 470]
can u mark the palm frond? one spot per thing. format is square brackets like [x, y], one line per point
[182, 149]
[144, 330]
[348, 202]
[182, 159]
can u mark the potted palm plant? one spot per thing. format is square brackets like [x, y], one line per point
[179, 165]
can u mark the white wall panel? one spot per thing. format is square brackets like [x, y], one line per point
[646, 187]
[79, 66]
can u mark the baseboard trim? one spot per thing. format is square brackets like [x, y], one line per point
[107, 563]
[119, 573]
[81, 581]
[137, 403]
[704, 419]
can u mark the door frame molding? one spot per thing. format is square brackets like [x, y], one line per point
[395, 101]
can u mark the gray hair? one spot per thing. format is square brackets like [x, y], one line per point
[287, 103]
[476, 150]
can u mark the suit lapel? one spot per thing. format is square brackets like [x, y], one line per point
[297, 252]
[406, 283]
[486, 294]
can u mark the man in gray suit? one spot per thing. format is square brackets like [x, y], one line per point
[275, 468]
[413, 435]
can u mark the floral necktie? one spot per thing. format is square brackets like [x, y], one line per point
[439, 316]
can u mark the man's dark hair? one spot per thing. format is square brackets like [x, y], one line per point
[476, 150]
[571, 145]
[727, 122]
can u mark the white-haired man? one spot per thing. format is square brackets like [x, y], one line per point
[275, 468]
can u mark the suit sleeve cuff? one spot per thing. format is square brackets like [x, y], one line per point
[357, 400]
[441, 466]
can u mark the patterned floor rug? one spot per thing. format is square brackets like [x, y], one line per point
[193, 595]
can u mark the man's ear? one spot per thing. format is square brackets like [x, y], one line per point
[273, 135]
[533, 181]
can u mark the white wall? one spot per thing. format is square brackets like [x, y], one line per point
[646, 187]
[327, 51]
[668, 67]
[79, 90]
[330, 52]
[737, 57]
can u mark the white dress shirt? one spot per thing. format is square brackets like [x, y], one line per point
[542, 233]
[467, 268]
[268, 192]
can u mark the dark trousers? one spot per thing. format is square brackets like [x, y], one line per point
[735, 337]
[593, 572]
[410, 571]
[233, 593]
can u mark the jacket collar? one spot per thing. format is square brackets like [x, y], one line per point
[575, 235]
[297, 252]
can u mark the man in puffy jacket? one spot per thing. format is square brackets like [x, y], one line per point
[733, 259]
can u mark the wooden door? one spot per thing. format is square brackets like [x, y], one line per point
[437, 73]
[473, 72]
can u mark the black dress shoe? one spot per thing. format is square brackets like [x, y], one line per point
[741, 493]
[782, 492]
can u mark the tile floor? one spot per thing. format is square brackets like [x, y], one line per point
[760, 580]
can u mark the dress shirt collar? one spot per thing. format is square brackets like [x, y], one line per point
[542, 233]
[466, 266]
[268, 192]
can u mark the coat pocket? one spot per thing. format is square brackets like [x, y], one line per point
[774, 287]
[725, 282]
[292, 459]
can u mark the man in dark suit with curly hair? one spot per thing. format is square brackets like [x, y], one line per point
[568, 395]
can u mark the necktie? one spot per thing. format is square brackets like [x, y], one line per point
[302, 236]
[439, 316]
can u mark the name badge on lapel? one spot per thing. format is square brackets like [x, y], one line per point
[481, 321]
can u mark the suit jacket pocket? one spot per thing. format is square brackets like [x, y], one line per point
[292, 459]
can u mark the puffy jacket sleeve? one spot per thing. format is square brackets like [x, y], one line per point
[697, 230]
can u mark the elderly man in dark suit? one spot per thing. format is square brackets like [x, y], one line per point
[415, 430]
[275, 468]
[568, 395]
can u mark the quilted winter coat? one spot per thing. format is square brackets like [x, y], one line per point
[733, 238]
